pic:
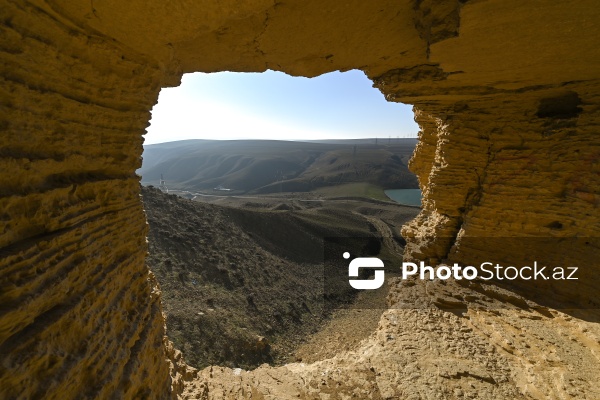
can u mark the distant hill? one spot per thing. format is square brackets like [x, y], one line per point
[268, 166]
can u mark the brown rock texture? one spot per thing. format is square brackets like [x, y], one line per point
[507, 96]
[80, 313]
[437, 340]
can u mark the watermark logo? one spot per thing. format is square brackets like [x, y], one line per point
[444, 272]
[365, 262]
[488, 270]
[543, 270]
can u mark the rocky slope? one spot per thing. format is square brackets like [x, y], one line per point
[256, 301]
[438, 341]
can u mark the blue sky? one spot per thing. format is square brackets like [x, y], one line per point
[273, 105]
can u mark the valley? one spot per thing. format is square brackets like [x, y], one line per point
[242, 278]
[235, 167]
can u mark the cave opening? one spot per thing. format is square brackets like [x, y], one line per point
[509, 110]
[273, 105]
[244, 176]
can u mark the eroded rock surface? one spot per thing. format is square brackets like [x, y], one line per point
[505, 91]
[439, 340]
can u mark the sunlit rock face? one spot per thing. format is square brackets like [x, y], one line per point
[80, 311]
[505, 92]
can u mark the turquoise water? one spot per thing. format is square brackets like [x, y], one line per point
[409, 197]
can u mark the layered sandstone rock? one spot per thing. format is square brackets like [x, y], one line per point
[80, 313]
[532, 173]
[438, 340]
[505, 91]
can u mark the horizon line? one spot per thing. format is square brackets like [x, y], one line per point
[288, 140]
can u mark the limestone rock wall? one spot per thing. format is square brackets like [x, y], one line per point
[79, 312]
[505, 91]
[530, 172]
